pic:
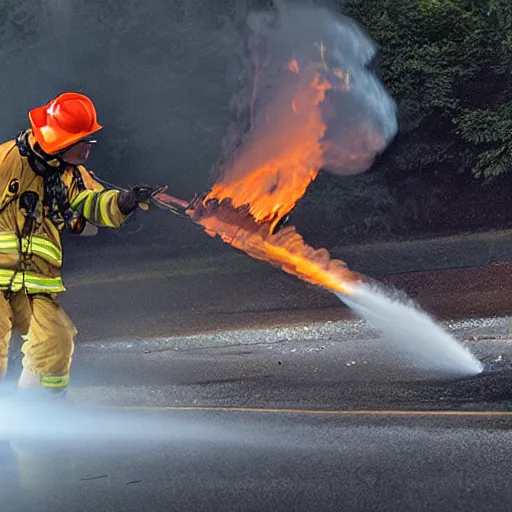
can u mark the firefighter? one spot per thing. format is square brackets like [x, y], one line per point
[44, 190]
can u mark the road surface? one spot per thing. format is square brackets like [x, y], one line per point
[304, 425]
[151, 293]
[292, 416]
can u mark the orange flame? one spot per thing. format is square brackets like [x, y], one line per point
[268, 174]
[285, 249]
[293, 66]
[282, 155]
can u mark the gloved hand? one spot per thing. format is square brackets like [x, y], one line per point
[130, 199]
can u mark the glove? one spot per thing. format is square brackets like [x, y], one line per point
[130, 199]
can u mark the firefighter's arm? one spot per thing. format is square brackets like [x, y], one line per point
[96, 204]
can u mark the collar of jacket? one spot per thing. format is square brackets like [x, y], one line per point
[40, 162]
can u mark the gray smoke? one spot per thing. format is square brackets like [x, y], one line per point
[359, 113]
[48, 420]
[143, 63]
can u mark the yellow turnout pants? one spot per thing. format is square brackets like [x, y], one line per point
[47, 335]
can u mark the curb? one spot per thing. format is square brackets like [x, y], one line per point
[461, 251]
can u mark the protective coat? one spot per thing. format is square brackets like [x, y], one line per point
[31, 259]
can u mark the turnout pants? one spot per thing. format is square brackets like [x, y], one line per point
[47, 335]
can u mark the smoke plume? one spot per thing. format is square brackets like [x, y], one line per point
[358, 115]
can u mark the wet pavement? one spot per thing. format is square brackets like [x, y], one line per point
[281, 415]
[311, 424]
[275, 463]
[317, 373]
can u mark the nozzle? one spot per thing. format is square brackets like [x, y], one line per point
[167, 199]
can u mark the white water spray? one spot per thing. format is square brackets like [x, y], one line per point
[412, 331]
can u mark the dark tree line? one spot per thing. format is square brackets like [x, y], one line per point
[448, 64]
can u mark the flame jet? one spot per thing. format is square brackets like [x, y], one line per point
[309, 101]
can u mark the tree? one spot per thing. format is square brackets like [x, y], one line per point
[448, 65]
[488, 125]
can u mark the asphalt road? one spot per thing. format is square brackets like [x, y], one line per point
[153, 292]
[299, 418]
[312, 424]
[165, 297]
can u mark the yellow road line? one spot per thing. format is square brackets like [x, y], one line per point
[327, 412]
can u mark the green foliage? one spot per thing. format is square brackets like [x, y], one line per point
[490, 129]
[448, 64]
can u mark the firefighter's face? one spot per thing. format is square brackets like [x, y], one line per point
[76, 154]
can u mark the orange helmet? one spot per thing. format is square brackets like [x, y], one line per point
[64, 121]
